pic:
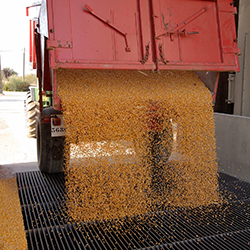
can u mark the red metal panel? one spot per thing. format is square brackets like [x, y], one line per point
[60, 28]
[192, 34]
[31, 40]
[47, 86]
[56, 99]
[33, 46]
[226, 13]
[100, 37]
[143, 34]
[32, 49]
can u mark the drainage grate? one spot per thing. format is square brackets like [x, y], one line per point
[224, 226]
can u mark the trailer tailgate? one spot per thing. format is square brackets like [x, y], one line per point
[140, 34]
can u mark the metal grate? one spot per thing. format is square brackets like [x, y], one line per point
[225, 226]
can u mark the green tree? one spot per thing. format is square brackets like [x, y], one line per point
[9, 72]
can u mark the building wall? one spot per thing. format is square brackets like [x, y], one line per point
[242, 82]
[233, 144]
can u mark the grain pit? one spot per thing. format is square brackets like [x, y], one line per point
[140, 140]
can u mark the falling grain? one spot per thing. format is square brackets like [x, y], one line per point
[138, 141]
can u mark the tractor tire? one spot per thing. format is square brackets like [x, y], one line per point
[32, 114]
[28, 98]
[50, 150]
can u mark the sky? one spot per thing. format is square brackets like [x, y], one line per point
[14, 35]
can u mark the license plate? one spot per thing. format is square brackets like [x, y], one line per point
[57, 130]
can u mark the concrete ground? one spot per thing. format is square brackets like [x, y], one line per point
[17, 151]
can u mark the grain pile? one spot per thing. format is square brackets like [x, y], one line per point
[141, 140]
[12, 234]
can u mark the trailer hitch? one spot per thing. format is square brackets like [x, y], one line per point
[107, 22]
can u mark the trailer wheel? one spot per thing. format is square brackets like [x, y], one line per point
[160, 145]
[155, 150]
[155, 147]
[50, 150]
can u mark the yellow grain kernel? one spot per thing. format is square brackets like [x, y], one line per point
[117, 166]
[12, 234]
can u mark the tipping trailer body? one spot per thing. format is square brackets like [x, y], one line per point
[139, 34]
[197, 35]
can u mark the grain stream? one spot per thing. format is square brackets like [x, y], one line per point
[139, 141]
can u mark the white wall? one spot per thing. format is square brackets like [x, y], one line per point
[233, 144]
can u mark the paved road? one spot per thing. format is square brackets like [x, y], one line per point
[17, 151]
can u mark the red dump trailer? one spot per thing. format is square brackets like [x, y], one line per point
[196, 35]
